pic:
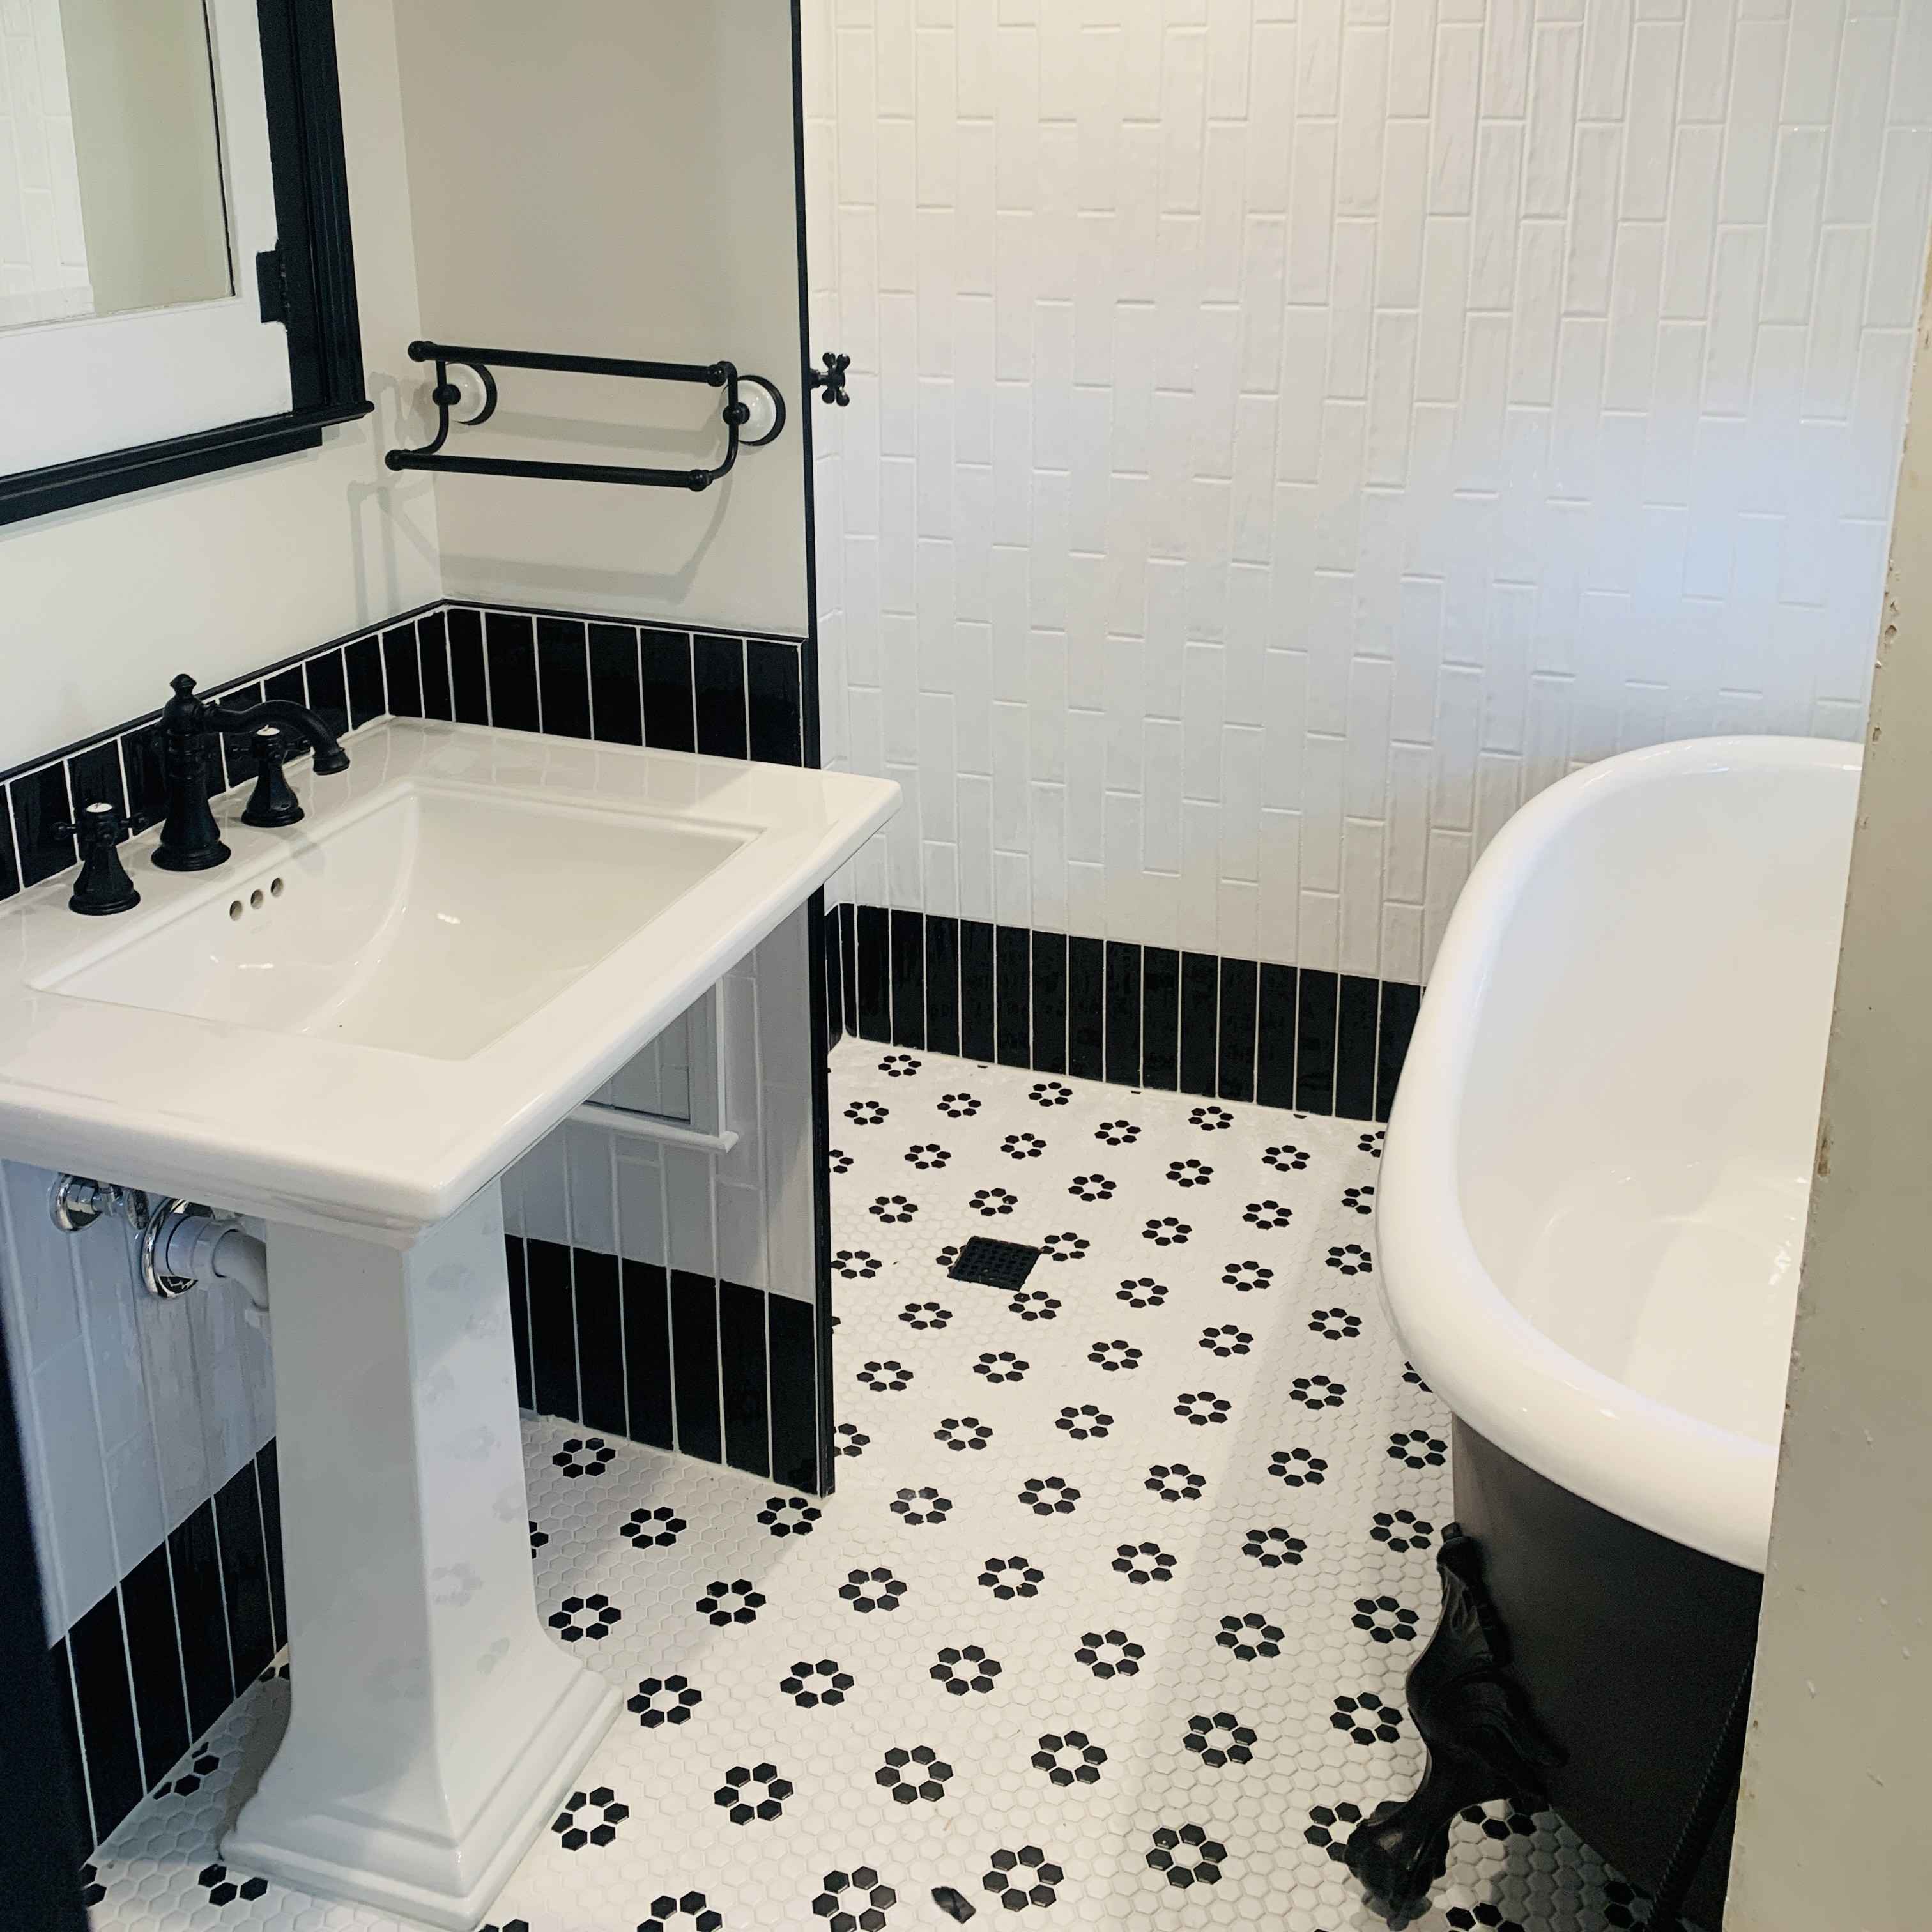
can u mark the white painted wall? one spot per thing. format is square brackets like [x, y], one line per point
[100, 607]
[1832, 1819]
[616, 180]
[1287, 433]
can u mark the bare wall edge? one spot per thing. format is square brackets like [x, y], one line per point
[1836, 1755]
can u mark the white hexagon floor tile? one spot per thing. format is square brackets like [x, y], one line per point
[1123, 1572]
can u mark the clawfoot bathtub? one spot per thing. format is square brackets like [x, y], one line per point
[1592, 1214]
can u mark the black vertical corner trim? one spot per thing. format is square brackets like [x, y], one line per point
[563, 677]
[942, 984]
[511, 650]
[1275, 1023]
[45, 1831]
[848, 961]
[1013, 995]
[975, 988]
[908, 978]
[519, 1321]
[1160, 1018]
[808, 478]
[1316, 1002]
[1356, 1008]
[1086, 1009]
[718, 684]
[268, 1481]
[789, 1423]
[745, 1376]
[1400, 1003]
[1236, 1069]
[1123, 1014]
[1200, 1023]
[647, 1295]
[600, 1342]
[694, 1334]
[834, 965]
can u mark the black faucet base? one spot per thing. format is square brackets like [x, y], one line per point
[96, 908]
[198, 859]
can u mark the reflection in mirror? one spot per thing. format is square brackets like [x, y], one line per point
[111, 196]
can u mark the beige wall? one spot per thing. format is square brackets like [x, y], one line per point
[99, 607]
[654, 218]
[1833, 1824]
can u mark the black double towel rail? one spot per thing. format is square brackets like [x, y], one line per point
[446, 395]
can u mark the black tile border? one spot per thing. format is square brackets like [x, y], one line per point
[155, 1664]
[1223, 1028]
[568, 674]
[707, 1367]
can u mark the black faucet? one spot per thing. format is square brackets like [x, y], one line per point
[191, 842]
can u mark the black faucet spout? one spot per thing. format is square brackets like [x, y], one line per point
[190, 840]
[296, 719]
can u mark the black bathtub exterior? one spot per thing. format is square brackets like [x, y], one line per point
[1582, 1664]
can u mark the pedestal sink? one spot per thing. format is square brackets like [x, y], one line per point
[351, 1030]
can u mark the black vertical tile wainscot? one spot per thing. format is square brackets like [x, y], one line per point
[1224, 1028]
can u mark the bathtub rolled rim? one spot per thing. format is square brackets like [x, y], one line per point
[1656, 1465]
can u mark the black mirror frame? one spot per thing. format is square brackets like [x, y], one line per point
[303, 90]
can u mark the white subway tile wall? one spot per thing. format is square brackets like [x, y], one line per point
[1287, 434]
[42, 248]
[746, 1216]
[134, 1411]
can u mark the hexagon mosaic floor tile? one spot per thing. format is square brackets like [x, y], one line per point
[1108, 1619]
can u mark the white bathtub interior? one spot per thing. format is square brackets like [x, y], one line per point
[1642, 1096]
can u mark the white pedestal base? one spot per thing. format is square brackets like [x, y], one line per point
[433, 1725]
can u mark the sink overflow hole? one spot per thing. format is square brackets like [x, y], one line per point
[256, 898]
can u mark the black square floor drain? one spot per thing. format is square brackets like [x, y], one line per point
[994, 1263]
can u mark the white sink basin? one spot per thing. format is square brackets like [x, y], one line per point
[365, 933]
[351, 1029]
[360, 1020]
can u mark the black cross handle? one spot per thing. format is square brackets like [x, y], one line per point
[831, 384]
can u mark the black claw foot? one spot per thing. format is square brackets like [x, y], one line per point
[1483, 1741]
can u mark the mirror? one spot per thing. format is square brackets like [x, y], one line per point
[177, 281]
[111, 198]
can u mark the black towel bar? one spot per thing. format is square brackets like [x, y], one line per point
[721, 375]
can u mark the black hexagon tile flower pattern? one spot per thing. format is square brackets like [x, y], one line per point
[1078, 1641]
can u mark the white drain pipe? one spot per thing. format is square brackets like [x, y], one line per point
[185, 1244]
